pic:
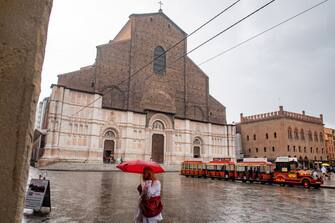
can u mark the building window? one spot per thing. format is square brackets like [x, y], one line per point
[159, 60]
[304, 149]
[289, 132]
[256, 150]
[320, 158]
[249, 150]
[294, 149]
[317, 150]
[288, 148]
[322, 150]
[299, 149]
[267, 136]
[321, 137]
[296, 135]
[265, 149]
[302, 134]
[275, 135]
[247, 137]
[254, 137]
[310, 136]
[311, 149]
[273, 148]
[315, 137]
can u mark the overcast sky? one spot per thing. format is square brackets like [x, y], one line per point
[292, 65]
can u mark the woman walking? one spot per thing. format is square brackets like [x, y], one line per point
[150, 205]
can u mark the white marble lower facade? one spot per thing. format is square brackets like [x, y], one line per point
[83, 134]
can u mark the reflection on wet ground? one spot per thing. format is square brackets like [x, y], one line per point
[112, 197]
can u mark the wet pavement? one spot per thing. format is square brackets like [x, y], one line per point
[112, 197]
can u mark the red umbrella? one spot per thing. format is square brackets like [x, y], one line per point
[137, 166]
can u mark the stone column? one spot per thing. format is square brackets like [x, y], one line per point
[23, 34]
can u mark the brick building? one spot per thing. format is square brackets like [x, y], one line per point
[162, 111]
[330, 144]
[283, 133]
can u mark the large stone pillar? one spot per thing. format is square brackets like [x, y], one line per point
[23, 34]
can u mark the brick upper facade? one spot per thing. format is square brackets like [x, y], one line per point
[183, 90]
[283, 133]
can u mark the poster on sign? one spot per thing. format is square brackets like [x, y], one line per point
[38, 195]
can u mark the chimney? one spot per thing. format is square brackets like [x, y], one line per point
[303, 113]
[241, 116]
[321, 117]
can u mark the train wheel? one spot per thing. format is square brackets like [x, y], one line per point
[306, 183]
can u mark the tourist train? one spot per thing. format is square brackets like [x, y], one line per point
[283, 171]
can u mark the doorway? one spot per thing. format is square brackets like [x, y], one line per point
[108, 155]
[157, 153]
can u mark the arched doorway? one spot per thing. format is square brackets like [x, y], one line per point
[157, 148]
[196, 148]
[109, 146]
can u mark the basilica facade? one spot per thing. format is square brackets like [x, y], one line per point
[141, 99]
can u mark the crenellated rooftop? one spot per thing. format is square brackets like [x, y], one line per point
[281, 114]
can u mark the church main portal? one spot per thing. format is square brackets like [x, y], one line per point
[157, 153]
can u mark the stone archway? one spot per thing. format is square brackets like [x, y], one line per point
[109, 144]
[108, 154]
[157, 140]
[197, 147]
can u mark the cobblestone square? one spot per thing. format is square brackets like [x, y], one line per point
[112, 197]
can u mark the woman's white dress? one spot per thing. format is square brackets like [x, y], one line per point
[152, 190]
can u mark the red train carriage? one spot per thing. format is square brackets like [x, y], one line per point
[220, 169]
[193, 168]
[254, 170]
[287, 173]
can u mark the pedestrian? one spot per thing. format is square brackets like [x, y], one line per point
[324, 172]
[150, 205]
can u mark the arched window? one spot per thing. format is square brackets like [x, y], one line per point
[158, 125]
[310, 136]
[296, 135]
[315, 136]
[247, 137]
[267, 136]
[254, 137]
[159, 60]
[275, 135]
[289, 133]
[302, 134]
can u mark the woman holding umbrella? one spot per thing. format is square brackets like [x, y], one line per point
[150, 205]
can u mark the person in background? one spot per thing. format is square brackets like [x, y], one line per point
[150, 205]
[324, 172]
